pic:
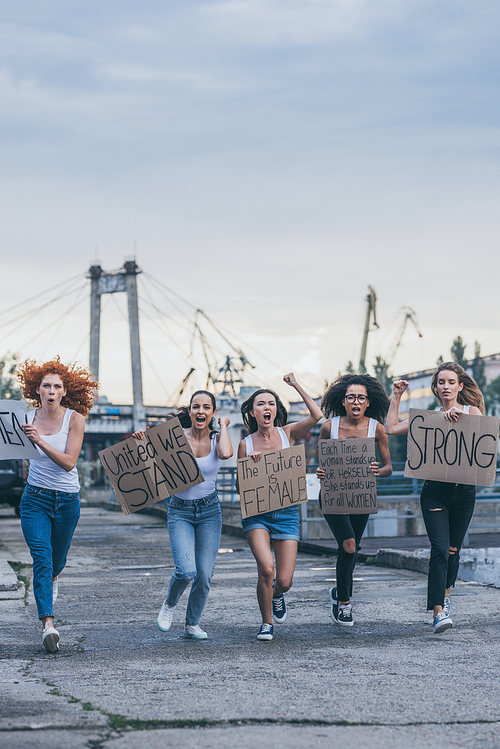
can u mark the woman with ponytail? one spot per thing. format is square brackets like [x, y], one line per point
[194, 516]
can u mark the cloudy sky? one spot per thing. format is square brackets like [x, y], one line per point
[265, 159]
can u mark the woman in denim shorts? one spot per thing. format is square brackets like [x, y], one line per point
[50, 505]
[194, 517]
[265, 419]
[447, 508]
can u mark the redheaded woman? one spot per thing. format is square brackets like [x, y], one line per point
[50, 505]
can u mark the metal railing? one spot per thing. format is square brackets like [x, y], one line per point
[395, 490]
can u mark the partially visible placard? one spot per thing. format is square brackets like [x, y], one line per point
[276, 481]
[13, 442]
[146, 471]
[349, 486]
[460, 452]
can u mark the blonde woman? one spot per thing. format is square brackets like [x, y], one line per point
[447, 508]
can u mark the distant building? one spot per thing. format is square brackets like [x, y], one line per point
[419, 393]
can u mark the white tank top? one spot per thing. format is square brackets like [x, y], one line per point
[47, 474]
[285, 442]
[209, 466]
[466, 409]
[334, 428]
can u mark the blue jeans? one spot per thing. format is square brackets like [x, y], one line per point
[194, 527]
[48, 521]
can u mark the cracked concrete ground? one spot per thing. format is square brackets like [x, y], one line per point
[119, 682]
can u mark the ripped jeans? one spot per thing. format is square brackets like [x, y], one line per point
[194, 527]
[447, 511]
[344, 527]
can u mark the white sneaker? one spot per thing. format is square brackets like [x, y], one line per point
[165, 617]
[193, 632]
[55, 589]
[50, 639]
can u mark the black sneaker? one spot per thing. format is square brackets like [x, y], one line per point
[341, 613]
[345, 615]
[279, 609]
[334, 604]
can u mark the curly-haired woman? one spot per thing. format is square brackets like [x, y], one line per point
[50, 505]
[355, 406]
[447, 508]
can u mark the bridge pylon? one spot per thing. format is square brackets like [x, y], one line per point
[104, 282]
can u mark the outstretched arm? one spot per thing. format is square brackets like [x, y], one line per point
[392, 424]
[299, 428]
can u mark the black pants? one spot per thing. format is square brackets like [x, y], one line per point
[447, 511]
[344, 527]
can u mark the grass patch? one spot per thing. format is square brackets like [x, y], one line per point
[27, 668]
[17, 567]
[119, 722]
[26, 581]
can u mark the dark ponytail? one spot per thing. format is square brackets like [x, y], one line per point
[182, 412]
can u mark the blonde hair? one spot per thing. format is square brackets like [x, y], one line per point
[470, 395]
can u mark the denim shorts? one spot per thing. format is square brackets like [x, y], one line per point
[282, 525]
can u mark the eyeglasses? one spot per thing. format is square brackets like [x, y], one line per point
[352, 398]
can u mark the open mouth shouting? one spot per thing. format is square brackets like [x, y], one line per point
[267, 418]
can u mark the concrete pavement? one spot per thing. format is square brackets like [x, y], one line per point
[119, 682]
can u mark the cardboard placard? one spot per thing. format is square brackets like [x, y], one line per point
[13, 442]
[349, 487]
[276, 481]
[146, 471]
[461, 452]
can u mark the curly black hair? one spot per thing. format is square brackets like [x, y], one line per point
[250, 421]
[332, 404]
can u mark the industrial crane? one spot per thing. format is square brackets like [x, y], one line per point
[371, 324]
[409, 316]
[229, 374]
[371, 300]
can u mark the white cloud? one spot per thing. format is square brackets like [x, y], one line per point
[271, 158]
